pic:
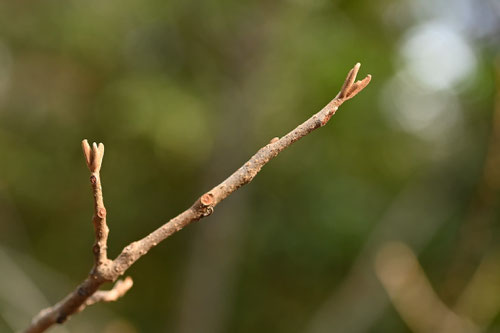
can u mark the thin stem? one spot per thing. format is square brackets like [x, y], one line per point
[93, 157]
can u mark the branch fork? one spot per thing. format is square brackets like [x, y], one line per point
[93, 155]
[350, 88]
[106, 270]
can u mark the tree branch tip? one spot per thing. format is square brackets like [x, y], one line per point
[87, 152]
[85, 146]
[351, 87]
[367, 79]
[120, 288]
[354, 71]
[93, 155]
[349, 81]
[128, 281]
[98, 149]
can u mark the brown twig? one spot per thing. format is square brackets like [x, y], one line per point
[119, 289]
[106, 270]
[93, 157]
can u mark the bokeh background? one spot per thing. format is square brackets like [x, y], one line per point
[386, 220]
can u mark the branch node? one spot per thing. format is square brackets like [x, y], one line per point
[207, 211]
[93, 155]
[101, 212]
[207, 199]
[350, 88]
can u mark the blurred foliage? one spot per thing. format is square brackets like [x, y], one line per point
[181, 93]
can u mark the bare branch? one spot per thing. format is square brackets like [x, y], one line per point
[94, 157]
[120, 288]
[106, 270]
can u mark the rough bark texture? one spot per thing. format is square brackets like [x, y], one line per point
[106, 270]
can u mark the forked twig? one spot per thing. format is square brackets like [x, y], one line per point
[105, 270]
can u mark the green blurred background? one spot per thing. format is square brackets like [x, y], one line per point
[183, 92]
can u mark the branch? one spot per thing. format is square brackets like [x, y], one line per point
[106, 270]
[93, 157]
[412, 295]
[119, 290]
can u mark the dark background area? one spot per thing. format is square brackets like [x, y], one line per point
[182, 93]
